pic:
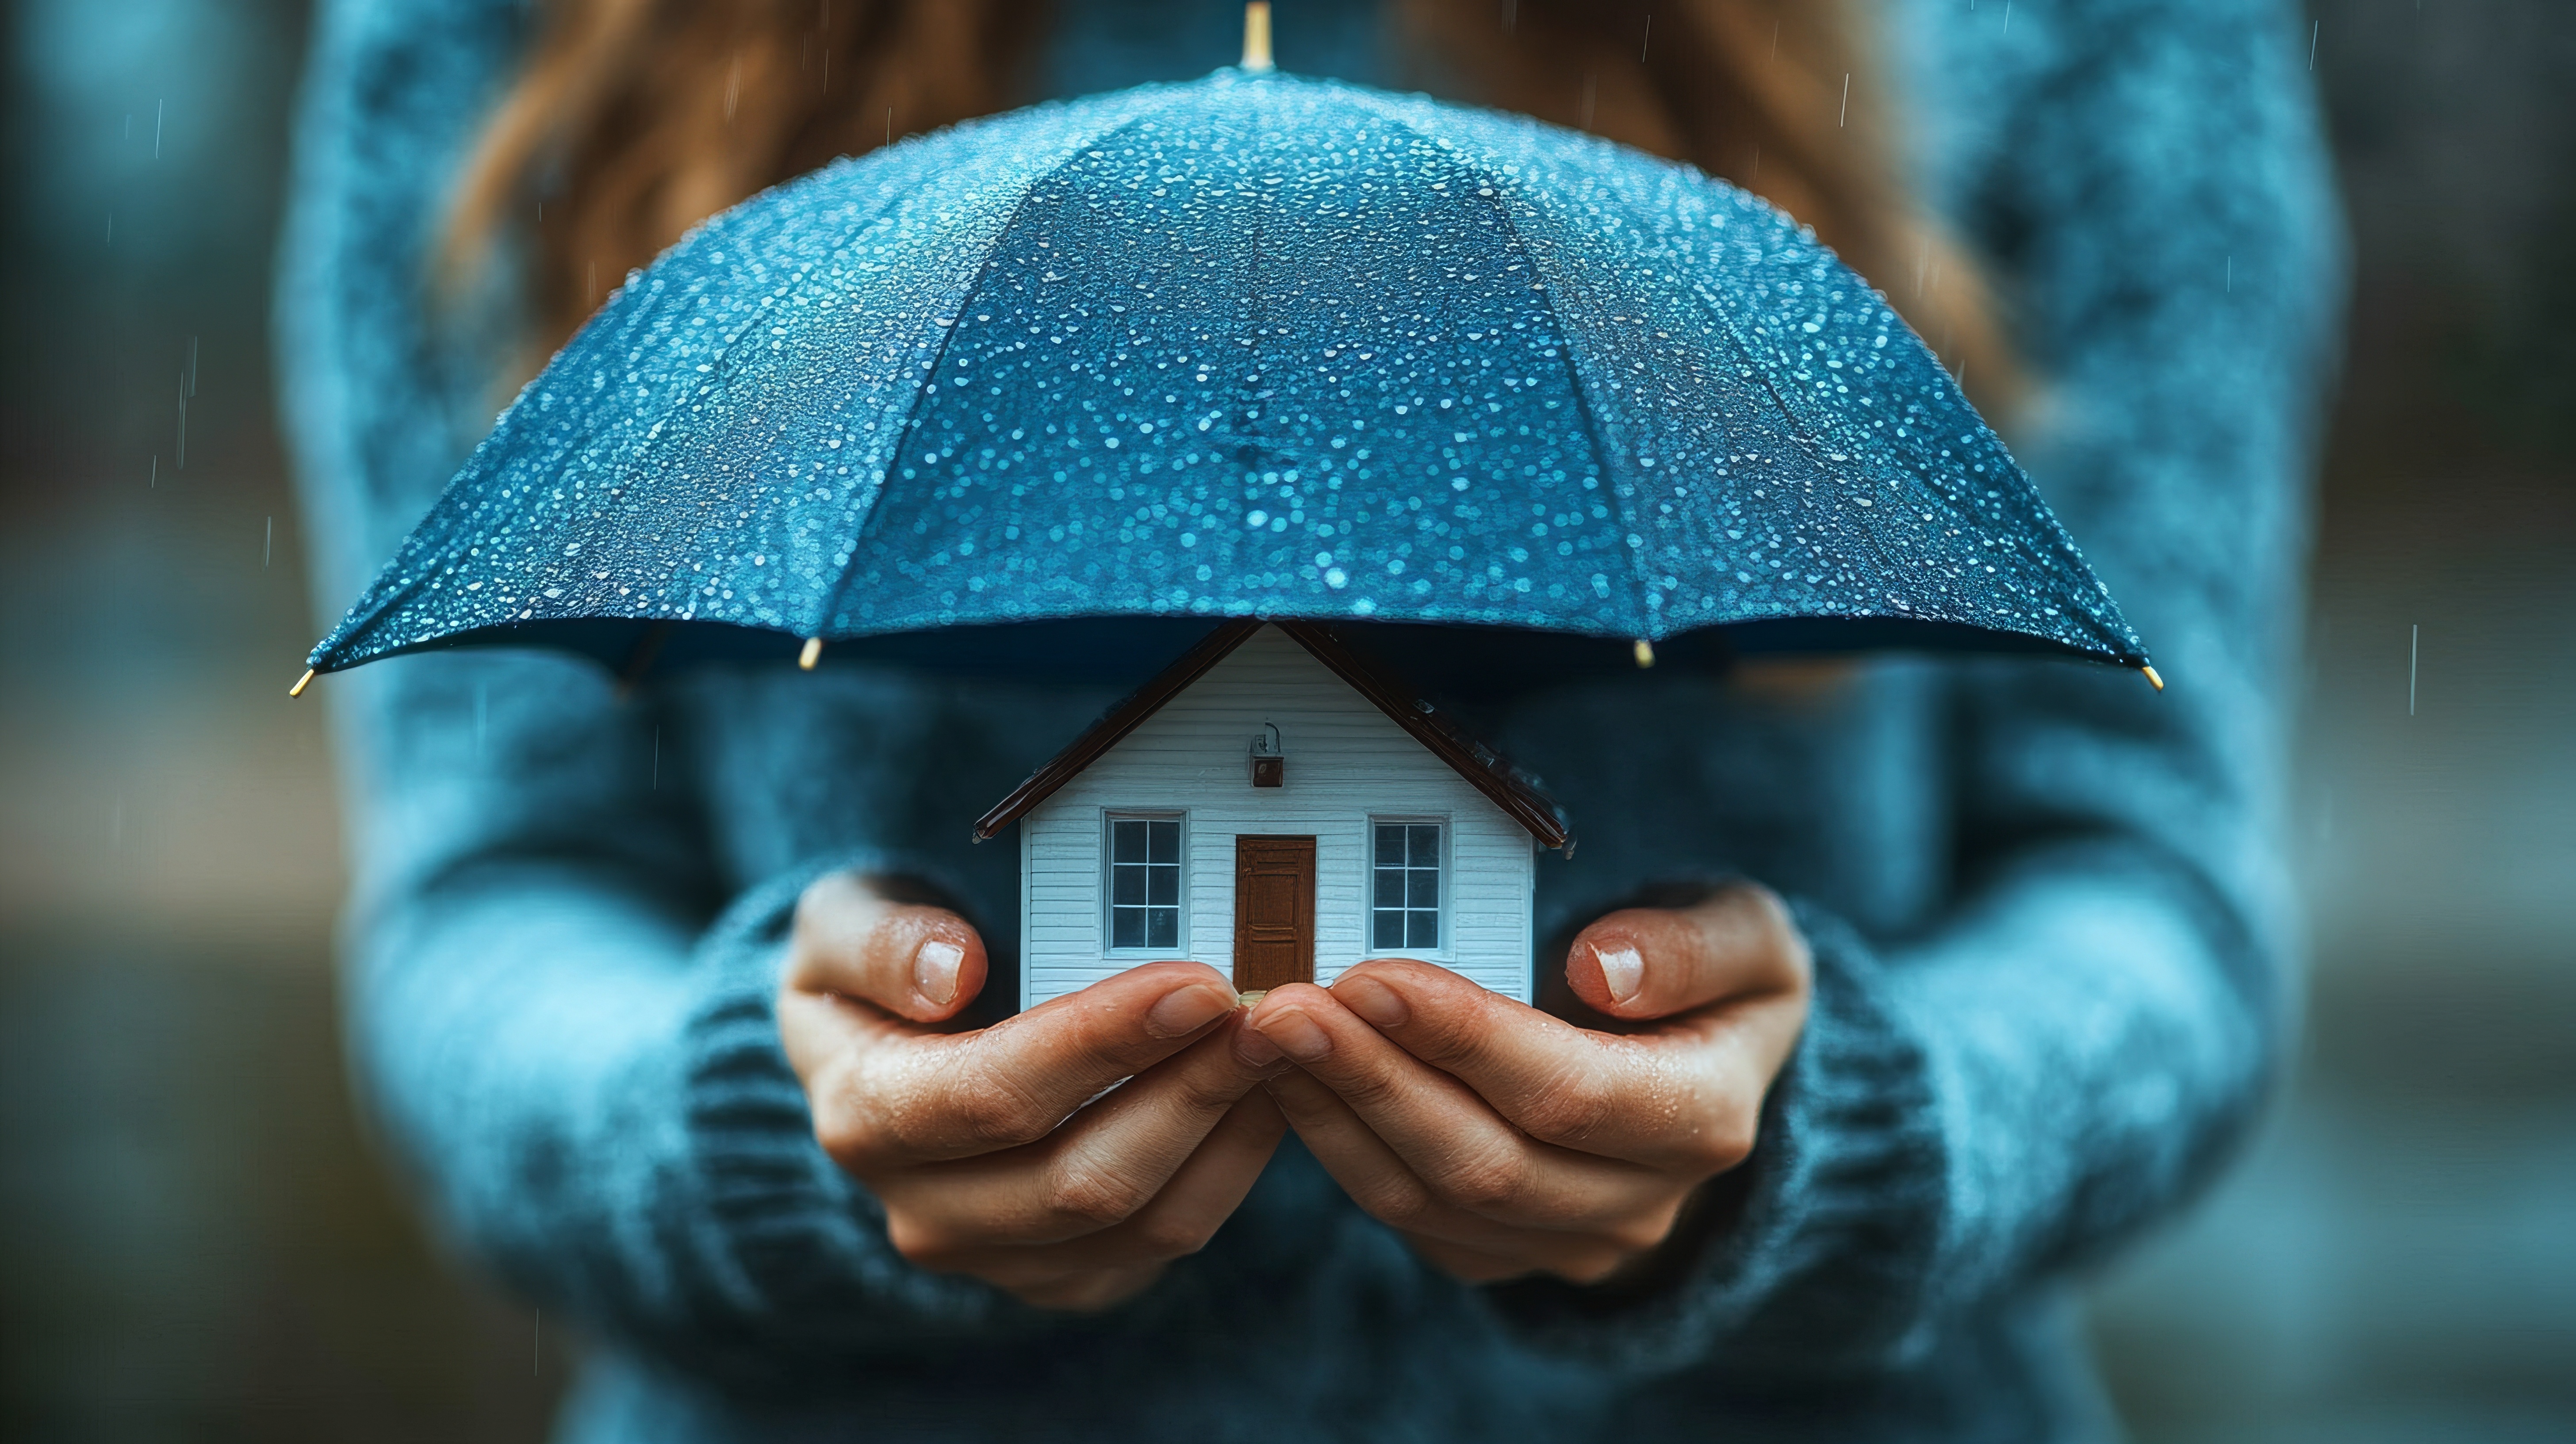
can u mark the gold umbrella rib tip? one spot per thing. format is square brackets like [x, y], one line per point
[1256, 38]
[303, 682]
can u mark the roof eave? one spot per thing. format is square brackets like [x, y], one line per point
[1524, 803]
[1520, 800]
[1116, 723]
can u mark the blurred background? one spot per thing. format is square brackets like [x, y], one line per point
[196, 1244]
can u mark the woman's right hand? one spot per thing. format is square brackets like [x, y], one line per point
[993, 1150]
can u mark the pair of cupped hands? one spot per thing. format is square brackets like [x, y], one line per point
[1069, 1153]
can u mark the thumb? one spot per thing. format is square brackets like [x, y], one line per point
[918, 962]
[1642, 963]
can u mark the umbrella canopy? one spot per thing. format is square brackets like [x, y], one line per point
[1249, 346]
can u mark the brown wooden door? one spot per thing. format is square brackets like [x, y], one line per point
[1274, 912]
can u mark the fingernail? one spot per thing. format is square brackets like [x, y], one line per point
[935, 969]
[1254, 1050]
[1297, 1035]
[1622, 970]
[1372, 1000]
[1186, 1010]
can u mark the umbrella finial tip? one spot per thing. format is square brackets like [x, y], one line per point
[1256, 37]
[2153, 680]
[812, 654]
[302, 682]
[1645, 653]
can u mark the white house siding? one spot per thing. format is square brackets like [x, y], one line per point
[1347, 764]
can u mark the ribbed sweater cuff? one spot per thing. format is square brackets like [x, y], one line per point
[1812, 1258]
[798, 1268]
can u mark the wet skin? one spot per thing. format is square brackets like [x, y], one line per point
[1499, 1141]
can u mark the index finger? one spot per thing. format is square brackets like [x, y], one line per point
[1685, 1097]
[899, 1095]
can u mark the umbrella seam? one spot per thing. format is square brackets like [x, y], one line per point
[1593, 427]
[1798, 428]
[628, 322]
[912, 413]
[1797, 431]
[716, 360]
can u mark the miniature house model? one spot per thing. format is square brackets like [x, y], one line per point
[1276, 808]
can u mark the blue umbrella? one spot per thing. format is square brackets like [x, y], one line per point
[1249, 346]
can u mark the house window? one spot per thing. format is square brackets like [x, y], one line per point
[1145, 882]
[1404, 902]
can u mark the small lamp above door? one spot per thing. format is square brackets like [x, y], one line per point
[1269, 760]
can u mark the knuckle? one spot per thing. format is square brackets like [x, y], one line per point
[1397, 1199]
[1486, 1180]
[1166, 1236]
[1369, 1091]
[834, 1128]
[1447, 1047]
[1300, 1099]
[845, 1131]
[995, 1111]
[911, 1129]
[911, 1125]
[1642, 1233]
[1728, 1142]
[921, 1247]
[1204, 1096]
[1456, 1028]
[1084, 1195]
[841, 1142]
[1574, 1112]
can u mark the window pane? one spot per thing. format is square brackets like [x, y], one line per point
[1126, 842]
[1422, 889]
[1424, 847]
[1386, 929]
[1126, 884]
[1422, 930]
[1163, 885]
[1390, 844]
[1126, 927]
[1166, 841]
[1162, 927]
[1390, 888]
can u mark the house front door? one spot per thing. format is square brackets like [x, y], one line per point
[1274, 912]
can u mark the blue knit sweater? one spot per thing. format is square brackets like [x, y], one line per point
[2049, 907]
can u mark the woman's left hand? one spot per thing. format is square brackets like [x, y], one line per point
[1500, 1141]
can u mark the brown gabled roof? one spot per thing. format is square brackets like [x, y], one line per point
[1492, 774]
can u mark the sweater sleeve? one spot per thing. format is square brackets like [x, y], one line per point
[580, 1070]
[2099, 1010]
[554, 1028]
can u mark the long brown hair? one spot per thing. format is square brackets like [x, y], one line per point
[635, 119]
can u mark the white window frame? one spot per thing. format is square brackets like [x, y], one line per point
[1368, 886]
[1108, 897]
